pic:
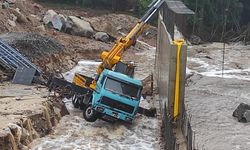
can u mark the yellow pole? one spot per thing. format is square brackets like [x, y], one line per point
[179, 44]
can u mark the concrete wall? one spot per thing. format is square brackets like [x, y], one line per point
[165, 70]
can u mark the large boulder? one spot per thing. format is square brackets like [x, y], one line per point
[101, 36]
[242, 113]
[58, 21]
[79, 27]
[49, 16]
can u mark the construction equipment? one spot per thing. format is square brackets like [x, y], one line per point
[114, 94]
[13, 61]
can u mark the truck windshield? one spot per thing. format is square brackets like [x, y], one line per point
[122, 88]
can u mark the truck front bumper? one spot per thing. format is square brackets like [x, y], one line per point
[114, 114]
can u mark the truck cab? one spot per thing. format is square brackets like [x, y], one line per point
[116, 97]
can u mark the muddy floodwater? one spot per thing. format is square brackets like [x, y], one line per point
[74, 133]
[212, 97]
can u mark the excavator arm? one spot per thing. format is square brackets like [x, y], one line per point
[109, 59]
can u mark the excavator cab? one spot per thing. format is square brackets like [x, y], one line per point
[127, 68]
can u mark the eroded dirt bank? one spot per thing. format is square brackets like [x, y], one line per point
[26, 115]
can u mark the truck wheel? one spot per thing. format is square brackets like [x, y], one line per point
[75, 101]
[89, 114]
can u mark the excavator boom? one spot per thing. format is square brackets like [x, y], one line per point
[109, 59]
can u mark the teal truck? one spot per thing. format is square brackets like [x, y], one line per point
[117, 96]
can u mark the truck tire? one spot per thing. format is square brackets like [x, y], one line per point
[89, 114]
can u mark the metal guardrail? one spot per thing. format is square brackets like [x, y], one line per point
[12, 59]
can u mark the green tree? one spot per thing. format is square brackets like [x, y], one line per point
[212, 16]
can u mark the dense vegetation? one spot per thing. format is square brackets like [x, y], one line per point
[214, 20]
[219, 19]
